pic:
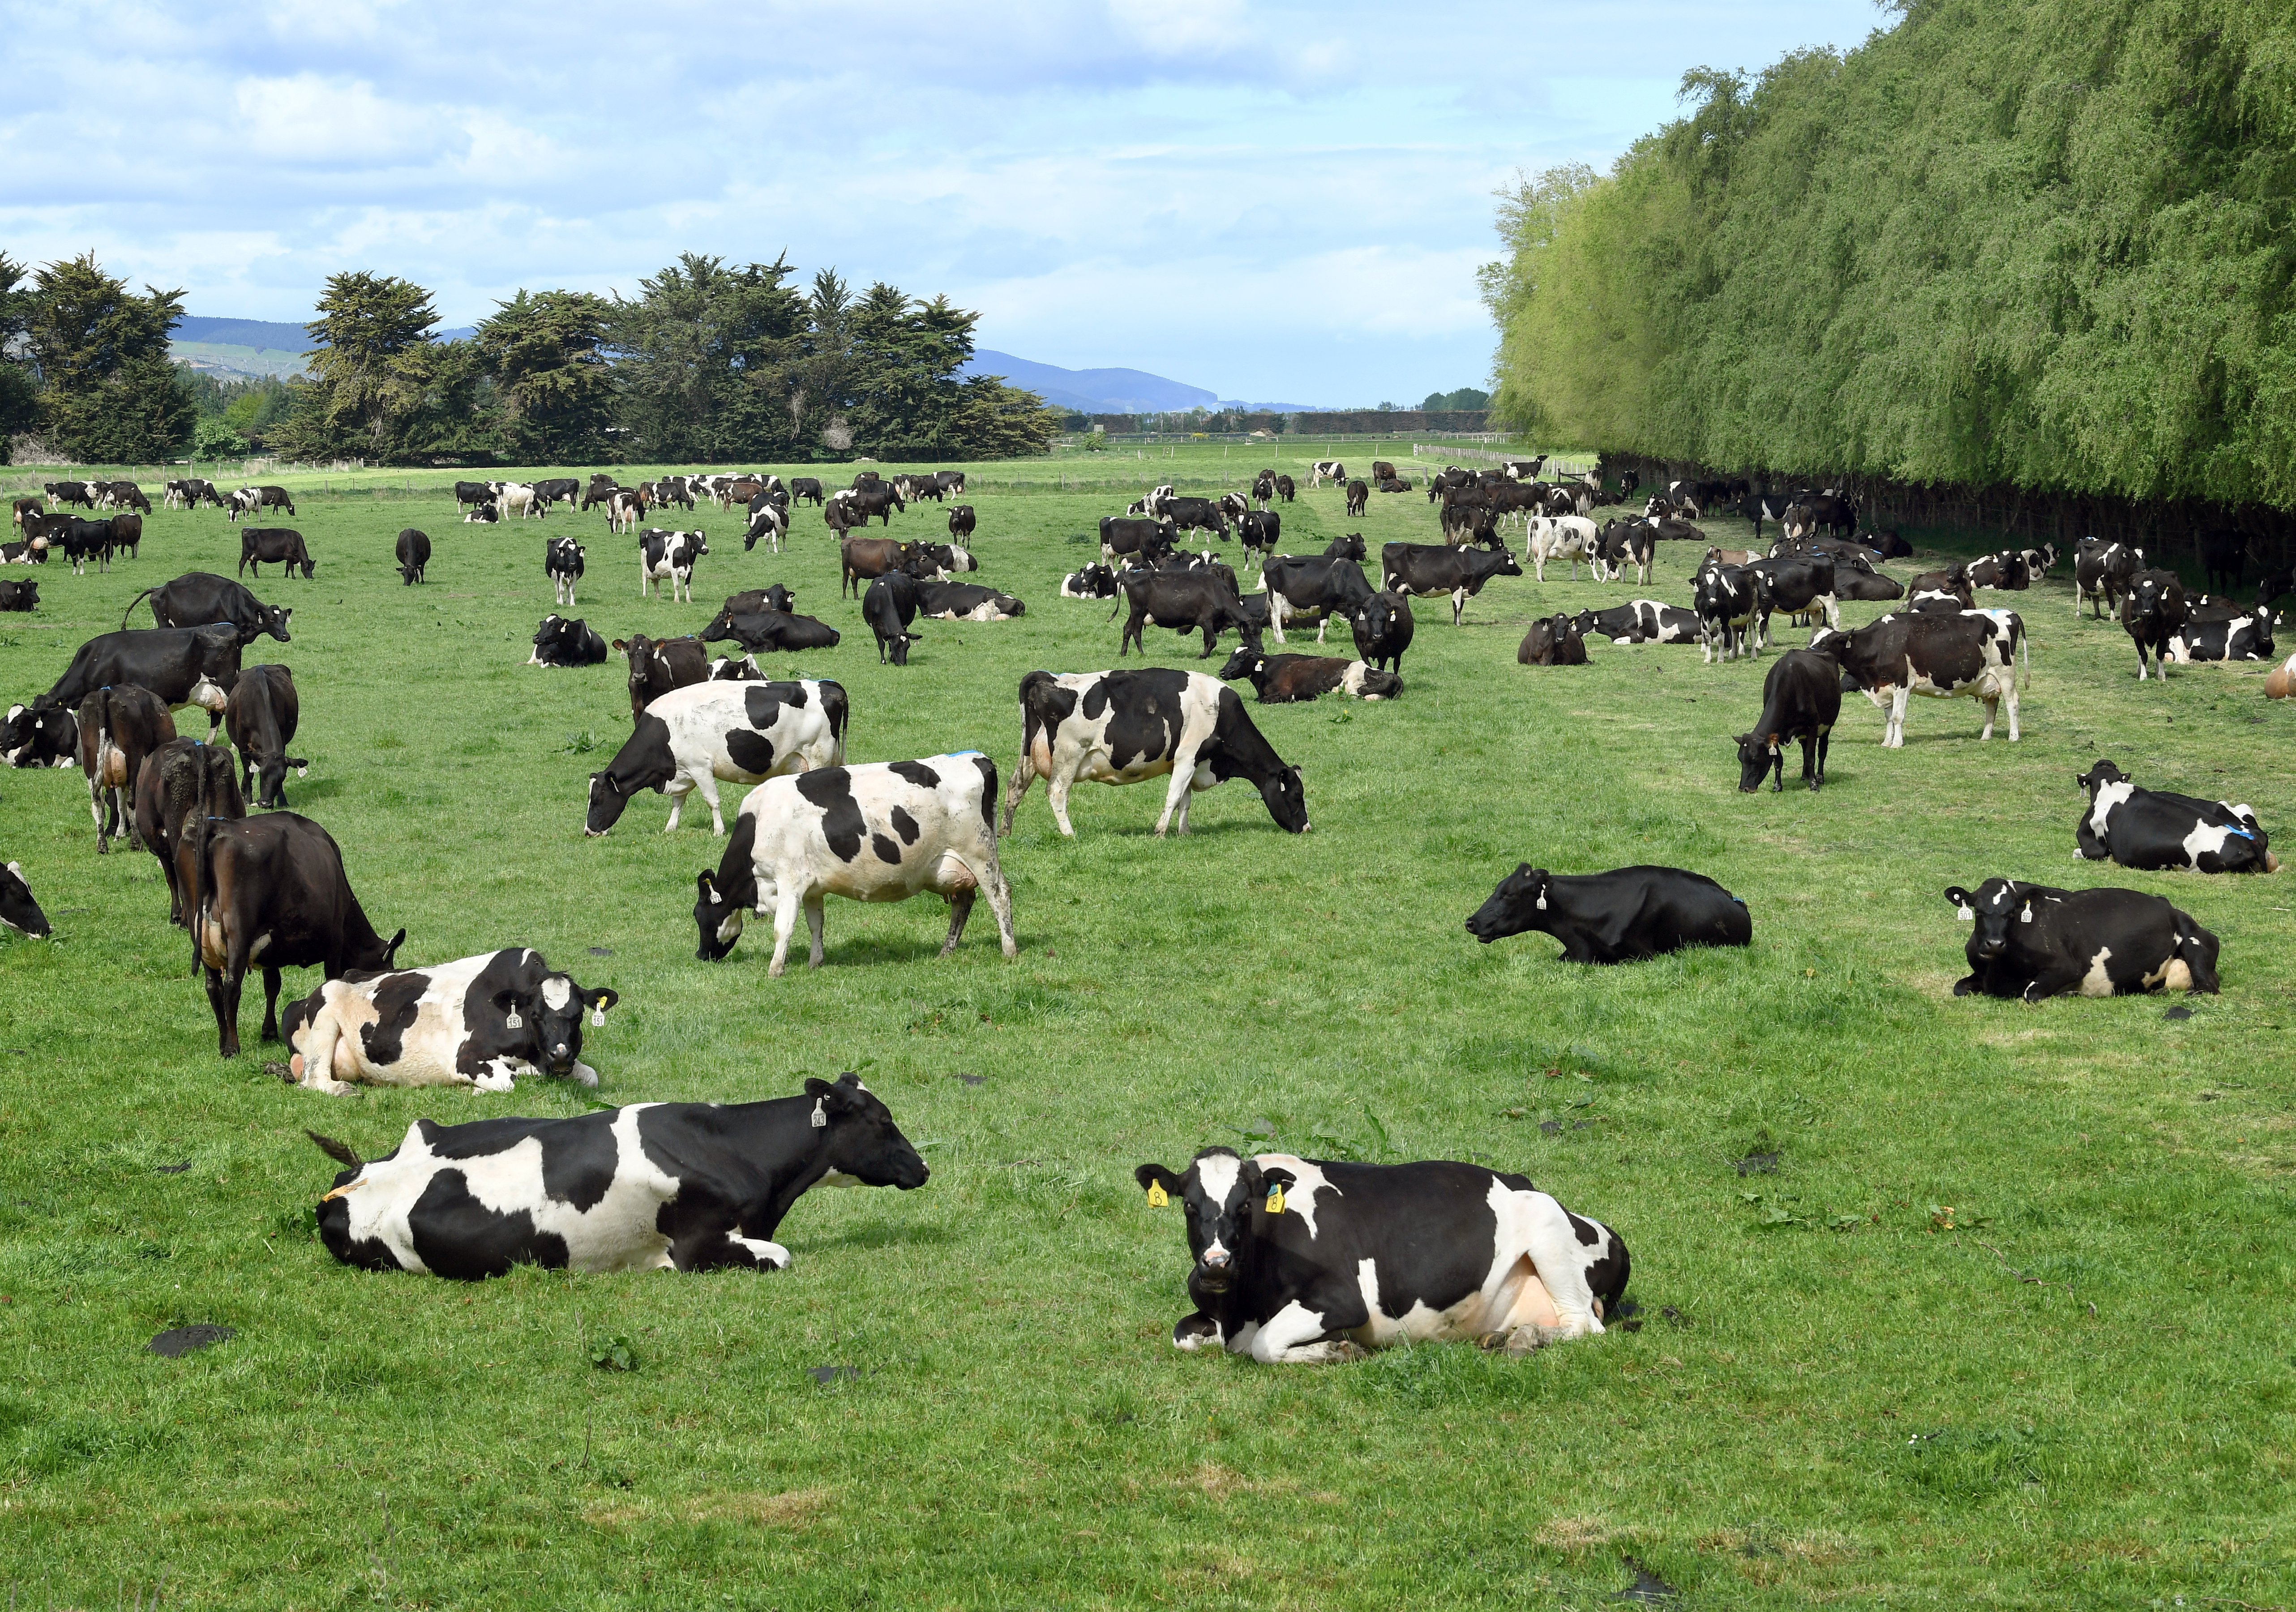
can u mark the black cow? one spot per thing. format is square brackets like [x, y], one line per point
[889, 606]
[183, 665]
[2154, 612]
[1296, 679]
[561, 641]
[708, 1185]
[18, 910]
[261, 722]
[2223, 555]
[2149, 828]
[473, 492]
[1798, 586]
[1185, 602]
[1260, 529]
[1383, 628]
[414, 554]
[562, 560]
[750, 602]
[961, 521]
[119, 729]
[271, 892]
[659, 665]
[1312, 589]
[198, 599]
[183, 782]
[762, 632]
[18, 596]
[1801, 699]
[1359, 497]
[1555, 641]
[1300, 1260]
[2031, 942]
[806, 489]
[559, 490]
[1286, 488]
[1425, 570]
[1195, 514]
[2101, 573]
[1857, 580]
[261, 545]
[81, 541]
[1122, 536]
[1621, 917]
[876, 499]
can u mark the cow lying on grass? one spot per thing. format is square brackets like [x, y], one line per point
[1619, 916]
[2032, 942]
[655, 1186]
[2152, 828]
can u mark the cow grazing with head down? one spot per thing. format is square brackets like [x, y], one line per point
[1122, 727]
[768, 522]
[262, 721]
[18, 910]
[1555, 641]
[260, 545]
[1382, 629]
[1326, 469]
[889, 607]
[562, 562]
[1297, 1261]
[690, 1186]
[183, 782]
[270, 891]
[878, 832]
[414, 555]
[118, 728]
[2031, 942]
[1801, 699]
[199, 598]
[480, 1021]
[1621, 917]
[737, 732]
[1184, 602]
[1293, 679]
[2154, 611]
[561, 641]
[1425, 570]
[2149, 828]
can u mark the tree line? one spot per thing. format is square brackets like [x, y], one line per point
[711, 362]
[2043, 250]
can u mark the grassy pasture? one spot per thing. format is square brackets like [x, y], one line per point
[2006, 1324]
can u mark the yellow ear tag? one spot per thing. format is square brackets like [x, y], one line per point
[1276, 1200]
[1157, 1196]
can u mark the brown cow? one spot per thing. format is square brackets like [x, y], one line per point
[118, 728]
[182, 782]
[659, 665]
[864, 559]
[1555, 641]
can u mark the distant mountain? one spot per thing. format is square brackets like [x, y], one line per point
[254, 347]
[1107, 391]
[262, 335]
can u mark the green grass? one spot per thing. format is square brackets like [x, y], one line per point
[2077, 1395]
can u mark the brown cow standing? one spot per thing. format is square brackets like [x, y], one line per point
[866, 559]
[261, 719]
[118, 728]
[184, 781]
[659, 665]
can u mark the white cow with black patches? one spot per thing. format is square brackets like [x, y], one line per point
[881, 832]
[669, 557]
[737, 731]
[479, 1022]
[1302, 1261]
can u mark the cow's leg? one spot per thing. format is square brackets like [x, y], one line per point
[960, 908]
[1024, 773]
[1176, 798]
[1000, 903]
[223, 997]
[1056, 792]
[784, 925]
[1295, 1334]
[677, 789]
[722, 1248]
[1275, 614]
[2010, 695]
[270, 1004]
[708, 782]
[1459, 604]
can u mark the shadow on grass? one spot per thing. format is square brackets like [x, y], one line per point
[890, 1233]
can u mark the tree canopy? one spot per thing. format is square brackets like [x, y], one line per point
[108, 392]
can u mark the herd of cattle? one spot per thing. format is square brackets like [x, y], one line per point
[1292, 1258]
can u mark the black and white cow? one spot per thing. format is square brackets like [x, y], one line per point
[961, 523]
[2031, 942]
[18, 910]
[765, 631]
[561, 641]
[1092, 582]
[1425, 570]
[768, 522]
[2154, 611]
[739, 732]
[39, 735]
[1801, 699]
[1906, 653]
[1643, 621]
[2101, 573]
[1619, 916]
[1295, 679]
[654, 1186]
[878, 832]
[1297, 1261]
[562, 562]
[669, 555]
[2006, 569]
[1326, 469]
[412, 552]
[2245, 637]
[966, 602]
[1382, 627]
[1122, 727]
[659, 665]
[479, 1022]
[1728, 602]
[624, 510]
[15, 596]
[1621, 544]
[1312, 589]
[1261, 530]
[889, 608]
[2149, 828]
[1571, 537]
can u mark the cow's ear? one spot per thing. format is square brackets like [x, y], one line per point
[1958, 896]
[1159, 1184]
[390, 952]
[836, 1099]
[623, 648]
[601, 1002]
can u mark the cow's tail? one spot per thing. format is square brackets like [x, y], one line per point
[133, 603]
[2025, 640]
[196, 832]
[339, 1152]
[837, 708]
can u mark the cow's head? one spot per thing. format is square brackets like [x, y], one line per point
[1243, 663]
[861, 1144]
[1217, 1196]
[1997, 905]
[718, 917]
[1515, 907]
[18, 910]
[1757, 754]
[2098, 777]
[551, 1012]
[272, 620]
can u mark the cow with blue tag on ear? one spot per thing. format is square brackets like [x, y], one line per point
[2032, 941]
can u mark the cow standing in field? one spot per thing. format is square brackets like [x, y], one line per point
[2154, 611]
[562, 560]
[259, 546]
[183, 666]
[889, 607]
[200, 598]
[1312, 590]
[1907, 653]
[2032, 942]
[1326, 469]
[2101, 573]
[659, 665]
[1382, 629]
[737, 732]
[2151, 828]
[878, 832]
[768, 522]
[1801, 699]
[182, 783]
[119, 729]
[262, 721]
[1425, 570]
[863, 559]
[413, 554]
[669, 557]
[1183, 602]
[1728, 602]
[1122, 727]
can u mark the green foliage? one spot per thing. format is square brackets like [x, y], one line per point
[108, 392]
[2044, 247]
[1465, 399]
[375, 377]
[215, 440]
[701, 357]
[557, 390]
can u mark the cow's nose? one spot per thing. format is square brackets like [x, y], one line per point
[1215, 1259]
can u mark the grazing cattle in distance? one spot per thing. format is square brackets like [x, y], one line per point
[1555, 641]
[1643, 621]
[125, 495]
[961, 521]
[183, 665]
[1092, 582]
[259, 546]
[625, 510]
[2245, 636]
[873, 499]
[806, 489]
[183, 782]
[1312, 589]
[479, 1022]
[70, 492]
[1184, 602]
[735, 732]
[1728, 602]
[1121, 727]
[2005, 570]
[261, 720]
[878, 832]
[119, 729]
[669, 557]
[1906, 653]
[889, 607]
[1382, 629]
[413, 554]
[1830, 510]
[273, 498]
[18, 910]
[2101, 573]
[1326, 469]
[768, 522]
[2154, 612]
[561, 641]
[2151, 828]
[1425, 570]
[1359, 498]
[659, 665]
[39, 735]
[861, 558]
[562, 562]
[1298, 1260]
[1623, 916]
[199, 598]
[1760, 506]
[690, 1186]
[966, 602]
[271, 892]
[1559, 537]
[2031, 942]
[1296, 679]
[766, 631]
[24, 595]
[190, 492]
[1286, 488]
[1261, 530]
[1801, 699]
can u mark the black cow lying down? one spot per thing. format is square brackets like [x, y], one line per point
[1302, 1260]
[559, 642]
[2152, 828]
[1619, 916]
[661, 1186]
[18, 910]
[2032, 942]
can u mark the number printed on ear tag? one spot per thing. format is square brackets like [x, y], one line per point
[1276, 1201]
[597, 1018]
[1967, 915]
[1157, 1196]
[513, 1020]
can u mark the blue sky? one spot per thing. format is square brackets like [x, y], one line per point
[1271, 202]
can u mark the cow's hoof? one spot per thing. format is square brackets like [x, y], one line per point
[295, 1067]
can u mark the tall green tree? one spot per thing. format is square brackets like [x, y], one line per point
[544, 354]
[701, 357]
[373, 372]
[109, 394]
[20, 386]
